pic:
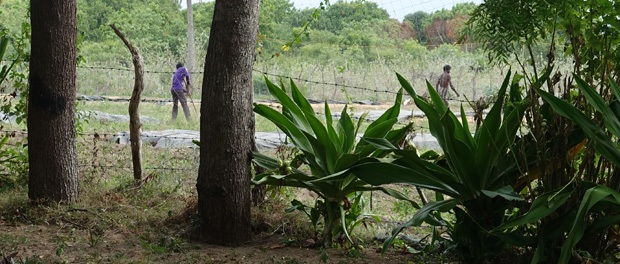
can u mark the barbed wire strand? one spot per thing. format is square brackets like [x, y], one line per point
[343, 86]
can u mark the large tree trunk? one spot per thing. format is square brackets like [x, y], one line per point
[227, 123]
[52, 148]
[191, 45]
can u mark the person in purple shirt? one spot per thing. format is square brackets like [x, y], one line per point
[178, 91]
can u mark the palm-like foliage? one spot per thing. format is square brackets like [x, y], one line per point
[326, 149]
[600, 206]
[474, 173]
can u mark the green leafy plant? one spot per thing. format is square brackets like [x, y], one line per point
[599, 207]
[13, 159]
[325, 149]
[5, 69]
[473, 179]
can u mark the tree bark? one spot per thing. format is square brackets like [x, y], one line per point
[191, 45]
[52, 150]
[227, 124]
[135, 125]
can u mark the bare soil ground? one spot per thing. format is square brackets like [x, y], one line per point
[86, 236]
[42, 244]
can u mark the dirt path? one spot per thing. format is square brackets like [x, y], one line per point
[60, 243]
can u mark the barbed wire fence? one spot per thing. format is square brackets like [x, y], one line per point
[104, 152]
[101, 152]
[317, 82]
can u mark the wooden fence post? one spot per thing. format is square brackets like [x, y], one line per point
[135, 126]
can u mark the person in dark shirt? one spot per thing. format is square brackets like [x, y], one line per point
[179, 90]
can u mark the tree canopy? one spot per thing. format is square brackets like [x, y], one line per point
[158, 28]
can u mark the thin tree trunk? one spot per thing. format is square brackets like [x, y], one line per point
[135, 126]
[227, 124]
[53, 174]
[191, 45]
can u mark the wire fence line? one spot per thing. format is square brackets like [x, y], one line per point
[354, 86]
[339, 85]
[96, 151]
[255, 70]
[131, 167]
[111, 135]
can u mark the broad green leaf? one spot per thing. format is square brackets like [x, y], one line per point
[615, 88]
[4, 72]
[465, 124]
[611, 121]
[389, 173]
[503, 141]
[346, 131]
[505, 192]
[590, 198]
[615, 107]
[460, 156]
[410, 159]
[598, 138]
[264, 161]
[314, 216]
[344, 224]
[380, 130]
[300, 100]
[379, 143]
[332, 151]
[486, 152]
[440, 106]
[430, 155]
[296, 205]
[391, 113]
[605, 222]
[432, 115]
[350, 182]
[360, 122]
[289, 107]
[493, 119]
[331, 131]
[422, 215]
[543, 206]
[288, 127]
[391, 192]
[346, 161]
[4, 43]
[394, 137]
[320, 153]
[406, 85]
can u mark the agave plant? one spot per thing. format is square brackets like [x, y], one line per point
[325, 149]
[473, 180]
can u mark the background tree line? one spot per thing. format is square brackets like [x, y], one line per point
[345, 29]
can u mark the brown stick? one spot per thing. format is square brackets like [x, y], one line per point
[189, 95]
[135, 126]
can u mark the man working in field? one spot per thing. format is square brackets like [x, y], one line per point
[178, 91]
[442, 84]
